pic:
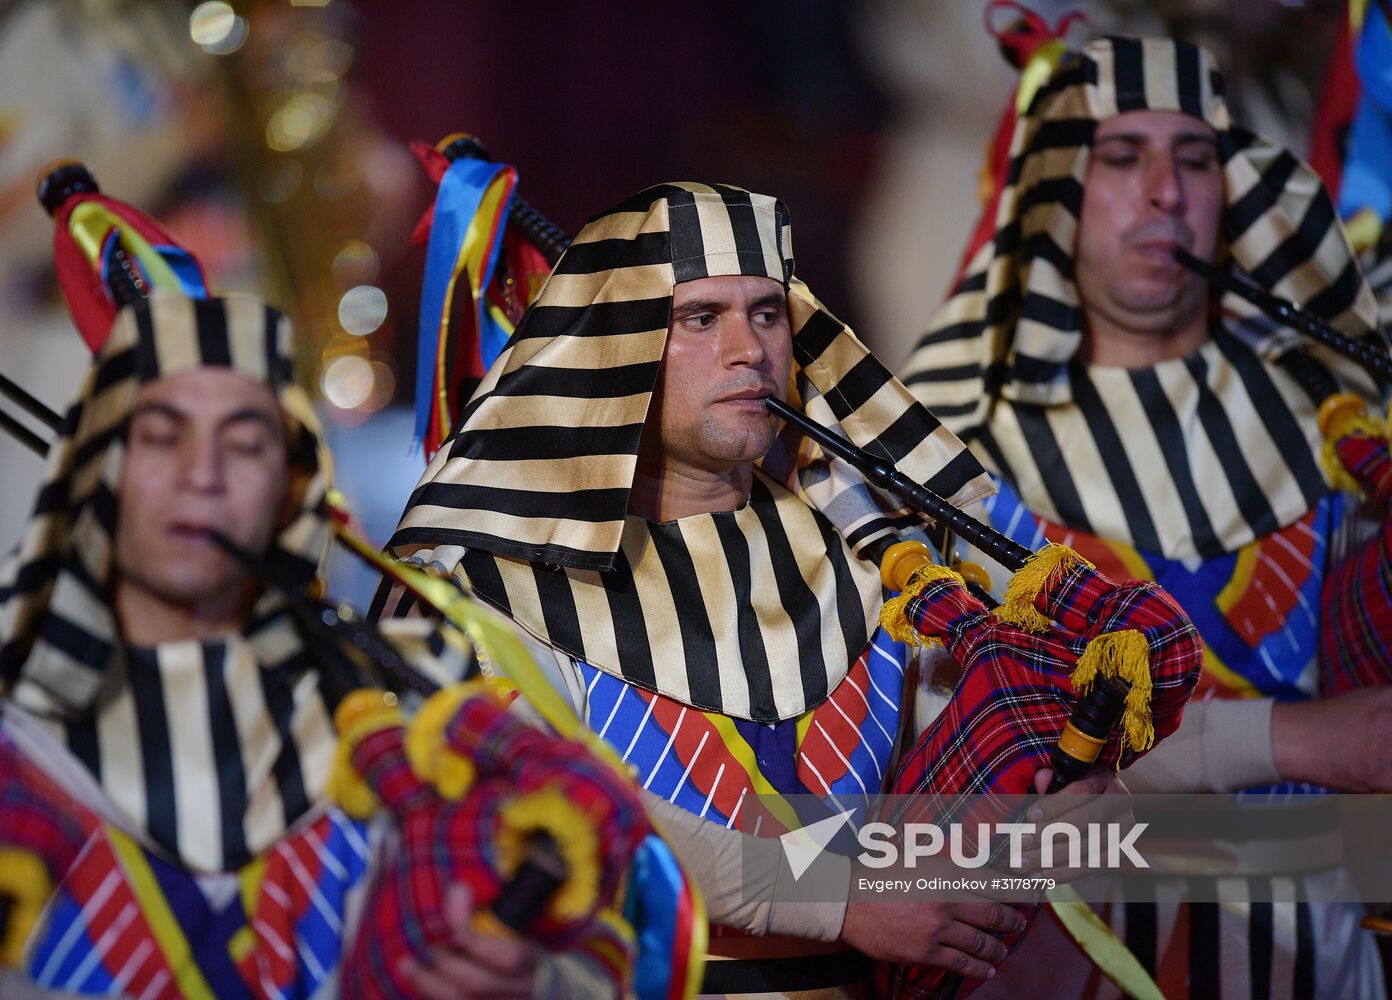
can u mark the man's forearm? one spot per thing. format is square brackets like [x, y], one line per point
[1221, 745]
[739, 876]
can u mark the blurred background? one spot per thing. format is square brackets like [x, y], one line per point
[270, 137]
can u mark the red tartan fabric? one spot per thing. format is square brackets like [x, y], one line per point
[1356, 604]
[1014, 696]
[40, 820]
[461, 842]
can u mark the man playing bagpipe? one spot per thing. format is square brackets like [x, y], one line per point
[1171, 433]
[177, 815]
[709, 587]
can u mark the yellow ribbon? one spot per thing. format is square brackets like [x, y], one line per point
[92, 222]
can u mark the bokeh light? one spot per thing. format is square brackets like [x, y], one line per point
[301, 121]
[347, 381]
[216, 28]
[362, 309]
[356, 263]
[383, 387]
[211, 22]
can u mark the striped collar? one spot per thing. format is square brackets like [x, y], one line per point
[756, 613]
[1193, 456]
[206, 750]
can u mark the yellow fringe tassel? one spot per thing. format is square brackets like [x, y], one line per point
[363, 712]
[452, 774]
[1340, 422]
[1046, 566]
[893, 617]
[1124, 654]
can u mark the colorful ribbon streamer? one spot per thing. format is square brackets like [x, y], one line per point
[90, 229]
[466, 236]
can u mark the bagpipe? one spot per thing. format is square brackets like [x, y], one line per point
[543, 830]
[1356, 459]
[1069, 672]
[538, 828]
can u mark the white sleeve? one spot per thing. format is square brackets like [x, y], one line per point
[739, 876]
[1221, 745]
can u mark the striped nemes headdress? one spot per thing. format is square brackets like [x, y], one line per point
[57, 625]
[541, 467]
[756, 613]
[998, 364]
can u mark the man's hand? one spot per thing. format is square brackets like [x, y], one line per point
[475, 964]
[1344, 742]
[1097, 782]
[952, 936]
[1097, 797]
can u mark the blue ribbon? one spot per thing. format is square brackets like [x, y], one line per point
[654, 895]
[456, 204]
[180, 261]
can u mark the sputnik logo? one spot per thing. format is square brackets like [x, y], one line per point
[805, 844]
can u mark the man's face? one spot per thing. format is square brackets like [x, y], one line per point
[206, 450]
[729, 347]
[1153, 183]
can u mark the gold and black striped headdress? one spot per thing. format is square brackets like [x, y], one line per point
[535, 484]
[211, 748]
[1197, 455]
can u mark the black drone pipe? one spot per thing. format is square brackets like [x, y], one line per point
[49, 418]
[1377, 363]
[334, 629]
[23, 434]
[883, 474]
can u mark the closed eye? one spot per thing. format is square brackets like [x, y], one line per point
[248, 447]
[156, 439]
[155, 429]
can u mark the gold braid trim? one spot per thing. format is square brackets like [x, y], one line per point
[432, 761]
